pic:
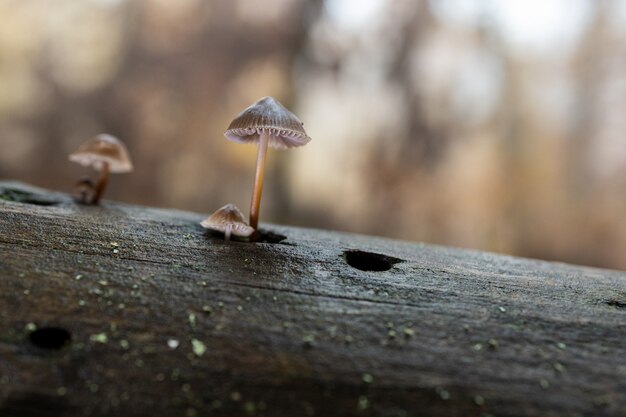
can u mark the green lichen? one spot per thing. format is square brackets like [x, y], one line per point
[363, 403]
[198, 347]
[99, 338]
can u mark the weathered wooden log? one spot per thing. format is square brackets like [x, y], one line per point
[120, 310]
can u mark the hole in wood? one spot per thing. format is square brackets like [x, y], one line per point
[24, 197]
[617, 304]
[266, 236]
[51, 338]
[368, 261]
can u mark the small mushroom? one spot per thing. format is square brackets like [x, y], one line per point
[84, 190]
[268, 123]
[228, 220]
[104, 153]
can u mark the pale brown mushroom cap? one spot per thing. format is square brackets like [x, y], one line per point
[268, 116]
[229, 215]
[100, 149]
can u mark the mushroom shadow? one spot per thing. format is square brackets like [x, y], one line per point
[264, 236]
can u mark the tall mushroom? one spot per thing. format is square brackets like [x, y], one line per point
[228, 220]
[267, 123]
[104, 153]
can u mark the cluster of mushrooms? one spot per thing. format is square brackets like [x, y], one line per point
[266, 123]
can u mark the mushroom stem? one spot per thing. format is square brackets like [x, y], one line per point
[227, 232]
[101, 185]
[255, 204]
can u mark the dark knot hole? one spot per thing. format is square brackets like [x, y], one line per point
[51, 338]
[368, 261]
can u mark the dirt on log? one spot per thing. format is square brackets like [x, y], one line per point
[121, 310]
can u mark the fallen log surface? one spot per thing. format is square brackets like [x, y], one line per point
[121, 310]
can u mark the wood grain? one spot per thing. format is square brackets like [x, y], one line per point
[165, 320]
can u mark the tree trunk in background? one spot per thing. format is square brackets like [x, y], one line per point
[588, 78]
[307, 16]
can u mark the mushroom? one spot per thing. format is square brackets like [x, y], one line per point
[104, 153]
[228, 220]
[84, 190]
[268, 123]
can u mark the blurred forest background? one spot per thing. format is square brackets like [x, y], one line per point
[495, 125]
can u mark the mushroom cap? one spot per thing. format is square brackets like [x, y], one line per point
[229, 215]
[100, 149]
[268, 116]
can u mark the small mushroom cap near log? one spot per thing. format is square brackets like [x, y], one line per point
[228, 218]
[268, 116]
[102, 149]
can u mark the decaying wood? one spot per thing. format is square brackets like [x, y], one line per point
[120, 310]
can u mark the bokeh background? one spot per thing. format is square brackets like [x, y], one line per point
[496, 125]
